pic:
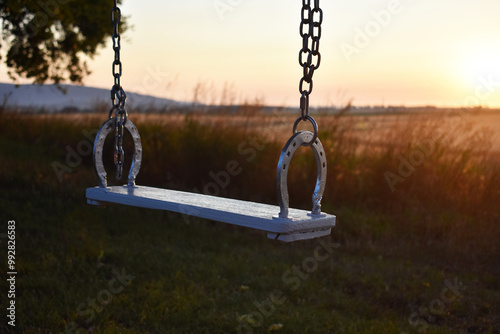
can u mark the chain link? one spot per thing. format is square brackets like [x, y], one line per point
[309, 56]
[118, 96]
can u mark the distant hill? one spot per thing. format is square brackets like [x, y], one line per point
[70, 98]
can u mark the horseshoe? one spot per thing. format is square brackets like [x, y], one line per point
[301, 138]
[105, 129]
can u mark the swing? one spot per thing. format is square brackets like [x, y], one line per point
[280, 222]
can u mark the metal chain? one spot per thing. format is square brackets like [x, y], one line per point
[309, 56]
[118, 96]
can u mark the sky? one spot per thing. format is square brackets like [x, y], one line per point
[394, 52]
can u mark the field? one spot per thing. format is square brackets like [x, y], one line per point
[415, 249]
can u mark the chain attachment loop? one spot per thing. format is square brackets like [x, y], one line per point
[304, 106]
[315, 127]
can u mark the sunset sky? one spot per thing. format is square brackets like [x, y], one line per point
[445, 53]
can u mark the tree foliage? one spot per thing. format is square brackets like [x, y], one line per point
[49, 40]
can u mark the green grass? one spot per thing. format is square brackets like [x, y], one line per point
[394, 250]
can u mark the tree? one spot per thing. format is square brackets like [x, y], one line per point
[48, 40]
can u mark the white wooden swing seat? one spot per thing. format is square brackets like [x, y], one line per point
[301, 224]
[280, 222]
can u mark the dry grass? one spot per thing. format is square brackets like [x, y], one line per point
[441, 221]
[449, 192]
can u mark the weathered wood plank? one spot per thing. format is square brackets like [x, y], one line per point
[302, 224]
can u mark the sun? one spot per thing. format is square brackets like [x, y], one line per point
[481, 63]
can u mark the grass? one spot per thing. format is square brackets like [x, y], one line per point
[396, 250]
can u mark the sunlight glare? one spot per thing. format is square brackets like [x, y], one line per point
[481, 63]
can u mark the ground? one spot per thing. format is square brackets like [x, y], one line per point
[421, 258]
